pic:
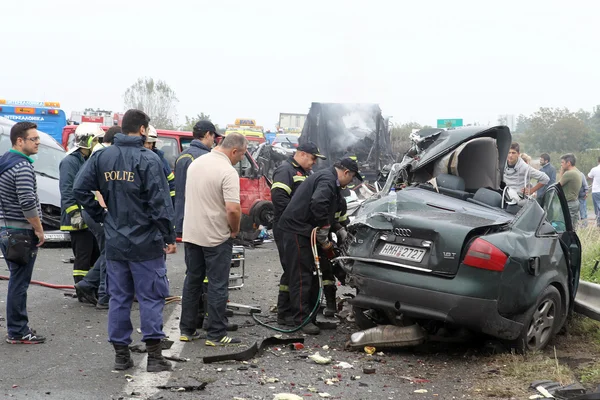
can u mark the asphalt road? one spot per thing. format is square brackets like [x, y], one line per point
[76, 361]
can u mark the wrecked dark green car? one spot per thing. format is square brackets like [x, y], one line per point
[461, 249]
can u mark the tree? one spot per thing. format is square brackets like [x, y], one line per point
[190, 122]
[156, 99]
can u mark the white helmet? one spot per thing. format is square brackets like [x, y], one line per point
[151, 134]
[85, 134]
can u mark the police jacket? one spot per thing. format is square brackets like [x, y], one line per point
[167, 170]
[68, 169]
[130, 178]
[286, 179]
[196, 149]
[314, 205]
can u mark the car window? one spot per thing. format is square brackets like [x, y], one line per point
[244, 167]
[554, 211]
[185, 143]
[171, 149]
[46, 161]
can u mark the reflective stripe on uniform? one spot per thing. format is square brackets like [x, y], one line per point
[284, 288]
[184, 156]
[171, 177]
[205, 279]
[299, 178]
[72, 208]
[172, 193]
[71, 228]
[279, 185]
[342, 218]
[328, 283]
[78, 272]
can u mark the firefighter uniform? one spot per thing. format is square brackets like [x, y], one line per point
[286, 180]
[314, 205]
[167, 171]
[196, 149]
[83, 242]
[138, 225]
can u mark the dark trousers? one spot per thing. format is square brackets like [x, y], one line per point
[283, 299]
[148, 281]
[96, 277]
[213, 263]
[300, 264]
[18, 283]
[86, 252]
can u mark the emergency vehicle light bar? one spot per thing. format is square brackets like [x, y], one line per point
[30, 103]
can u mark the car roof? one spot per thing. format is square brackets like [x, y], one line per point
[45, 139]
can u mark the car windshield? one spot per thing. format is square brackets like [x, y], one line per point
[47, 159]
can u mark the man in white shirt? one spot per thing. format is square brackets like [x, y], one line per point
[595, 175]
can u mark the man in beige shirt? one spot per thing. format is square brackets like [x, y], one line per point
[211, 221]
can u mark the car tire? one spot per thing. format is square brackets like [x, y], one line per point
[540, 323]
[263, 213]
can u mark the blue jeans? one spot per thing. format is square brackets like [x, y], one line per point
[214, 263]
[583, 211]
[148, 281]
[96, 277]
[596, 201]
[20, 276]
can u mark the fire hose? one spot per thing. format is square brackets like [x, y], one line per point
[315, 251]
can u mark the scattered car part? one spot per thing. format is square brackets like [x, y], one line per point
[252, 351]
[388, 336]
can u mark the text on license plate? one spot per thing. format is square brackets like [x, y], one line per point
[403, 252]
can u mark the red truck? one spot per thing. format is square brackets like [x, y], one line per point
[255, 188]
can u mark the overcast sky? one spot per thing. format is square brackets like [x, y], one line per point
[419, 60]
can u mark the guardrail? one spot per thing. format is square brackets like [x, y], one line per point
[587, 301]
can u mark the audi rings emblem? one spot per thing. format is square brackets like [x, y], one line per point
[402, 232]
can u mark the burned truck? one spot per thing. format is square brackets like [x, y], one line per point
[355, 130]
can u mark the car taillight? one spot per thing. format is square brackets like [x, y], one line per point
[483, 254]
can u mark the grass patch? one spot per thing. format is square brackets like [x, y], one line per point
[590, 374]
[590, 252]
[513, 374]
[586, 329]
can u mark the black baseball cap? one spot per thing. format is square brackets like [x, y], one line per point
[351, 165]
[311, 148]
[205, 126]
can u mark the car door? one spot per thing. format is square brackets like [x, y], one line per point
[557, 214]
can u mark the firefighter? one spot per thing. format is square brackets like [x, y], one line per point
[313, 206]
[150, 144]
[286, 180]
[139, 230]
[83, 243]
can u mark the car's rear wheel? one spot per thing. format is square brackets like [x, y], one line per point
[541, 322]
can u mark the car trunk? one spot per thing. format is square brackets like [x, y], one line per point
[428, 233]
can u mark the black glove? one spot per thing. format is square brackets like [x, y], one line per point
[328, 250]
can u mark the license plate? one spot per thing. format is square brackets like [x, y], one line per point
[54, 236]
[402, 252]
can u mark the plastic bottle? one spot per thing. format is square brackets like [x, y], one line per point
[391, 201]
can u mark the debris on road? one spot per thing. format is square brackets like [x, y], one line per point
[344, 365]
[415, 380]
[388, 336]
[324, 395]
[129, 378]
[421, 391]
[185, 388]
[326, 347]
[254, 351]
[286, 396]
[319, 359]
[551, 389]
[296, 346]
[370, 350]
[369, 370]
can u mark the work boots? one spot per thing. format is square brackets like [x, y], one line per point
[123, 359]
[330, 301]
[156, 361]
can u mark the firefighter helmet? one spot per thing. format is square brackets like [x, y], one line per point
[85, 134]
[151, 134]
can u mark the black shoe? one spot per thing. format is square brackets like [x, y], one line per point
[102, 306]
[156, 361]
[30, 338]
[123, 359]
[229, 328]
[86, 293]
[225, 340]
[311, 329]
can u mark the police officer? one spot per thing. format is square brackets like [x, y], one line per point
[83, 243]
[286, 180]
[150, 144]
[138, 231]
[313, 206]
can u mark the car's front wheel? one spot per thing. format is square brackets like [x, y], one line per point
[541, 322]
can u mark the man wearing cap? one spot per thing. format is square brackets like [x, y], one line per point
[313, 206]
[205, 134]
[286, 180]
